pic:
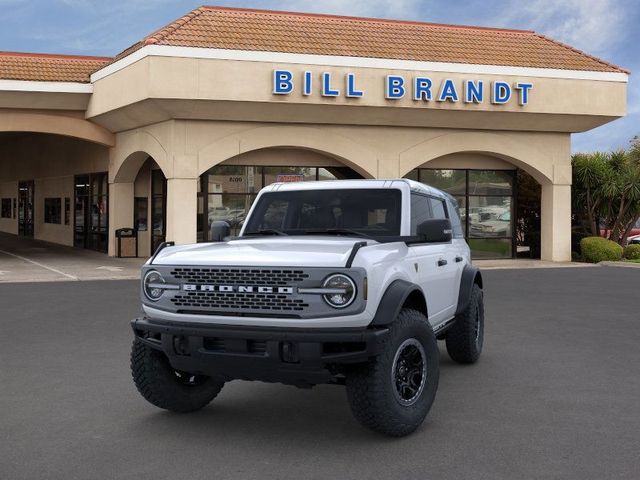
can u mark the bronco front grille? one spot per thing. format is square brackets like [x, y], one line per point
[239, 276]
[239, 301]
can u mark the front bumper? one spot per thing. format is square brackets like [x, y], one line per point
[294, 356]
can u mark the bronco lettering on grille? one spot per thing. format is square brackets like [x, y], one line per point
[237, 288]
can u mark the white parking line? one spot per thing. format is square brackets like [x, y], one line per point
[72, 277]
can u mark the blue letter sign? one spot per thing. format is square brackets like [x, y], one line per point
[422, 88]
[448, 91]
[351, 86]
[473, 91]
[523, 90]
[327, 91]
[501, 92]
[395, 87]
[282, 82]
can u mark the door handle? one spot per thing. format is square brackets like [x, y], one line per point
[459, 259]
[442, 262]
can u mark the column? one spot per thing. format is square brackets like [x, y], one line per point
[120, 211]
[555, 225]
[182, 210]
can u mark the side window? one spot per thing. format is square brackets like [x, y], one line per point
[437, 206]
[420, 211]
[454, 215]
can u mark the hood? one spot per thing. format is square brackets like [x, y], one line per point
[301, 251]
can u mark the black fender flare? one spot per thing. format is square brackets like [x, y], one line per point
[470, 276]
[392, 301]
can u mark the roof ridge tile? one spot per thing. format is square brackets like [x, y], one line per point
[583, 53]
[165, 31]
[361, 19]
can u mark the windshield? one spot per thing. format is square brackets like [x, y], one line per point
[359, 212]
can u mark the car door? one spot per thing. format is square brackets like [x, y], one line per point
[448, 264]
[432, 264]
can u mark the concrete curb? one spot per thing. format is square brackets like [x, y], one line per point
[620, 264]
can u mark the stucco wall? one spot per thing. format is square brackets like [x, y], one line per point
[154, 89]
[9, 190]
[53, 187]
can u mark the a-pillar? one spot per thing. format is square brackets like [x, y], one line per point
[120, 211]
[182, 210]
[555, 225]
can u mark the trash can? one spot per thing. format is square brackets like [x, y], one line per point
[127, 242]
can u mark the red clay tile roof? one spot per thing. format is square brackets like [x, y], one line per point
[273, 31]
[46, 67]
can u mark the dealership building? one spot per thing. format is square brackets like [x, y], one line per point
[184, 127]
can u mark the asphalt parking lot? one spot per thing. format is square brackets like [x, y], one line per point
[555, 395]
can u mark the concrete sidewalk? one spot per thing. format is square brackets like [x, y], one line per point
[526, 263]
[28, 260]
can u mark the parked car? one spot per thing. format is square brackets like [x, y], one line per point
[340, 282]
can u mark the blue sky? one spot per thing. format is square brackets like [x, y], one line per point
[605, 28]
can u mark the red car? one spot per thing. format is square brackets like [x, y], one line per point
[635, 231]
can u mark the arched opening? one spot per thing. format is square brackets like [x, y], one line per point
[499, 202]
[139, 201]
[226, 191]
[53, 184]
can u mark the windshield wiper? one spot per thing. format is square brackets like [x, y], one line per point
[339, 231]
[267, 231]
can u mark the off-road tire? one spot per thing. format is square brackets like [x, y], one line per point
[162, 386]
[371, 388]
[464, 342]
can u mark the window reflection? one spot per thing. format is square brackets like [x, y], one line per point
[489, 217]
[226, 192]
[485, 200]
[451, 181]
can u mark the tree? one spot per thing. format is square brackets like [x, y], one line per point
[607, 187]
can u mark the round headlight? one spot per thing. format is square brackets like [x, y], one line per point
[343, 291]
[150, 285]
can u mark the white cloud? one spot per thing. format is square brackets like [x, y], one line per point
[592, 25]
[403, 9]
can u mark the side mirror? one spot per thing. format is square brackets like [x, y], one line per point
[436, 230]
[219, 230]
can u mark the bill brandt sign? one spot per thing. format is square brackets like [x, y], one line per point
[420, 88]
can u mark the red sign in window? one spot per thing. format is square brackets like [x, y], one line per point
[288, 178]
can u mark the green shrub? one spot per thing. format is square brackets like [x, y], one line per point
[598, 249]
[632, 252]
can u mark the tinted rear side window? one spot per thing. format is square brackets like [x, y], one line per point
[454, 216]
[438, 208]
[420, 211]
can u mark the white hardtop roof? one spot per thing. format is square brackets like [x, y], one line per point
[355, 184]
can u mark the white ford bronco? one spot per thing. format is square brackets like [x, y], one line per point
[347, 282]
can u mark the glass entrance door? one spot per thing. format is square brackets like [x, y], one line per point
[25, 208]
[91, 211]
[158, 208]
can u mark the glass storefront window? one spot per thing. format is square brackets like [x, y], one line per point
[490, 182]
[485, 199]
[451, 181]
[491, 247]
[228, 207]
[230, 190]
[234, 179]
[289, 174]
[489, 217]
